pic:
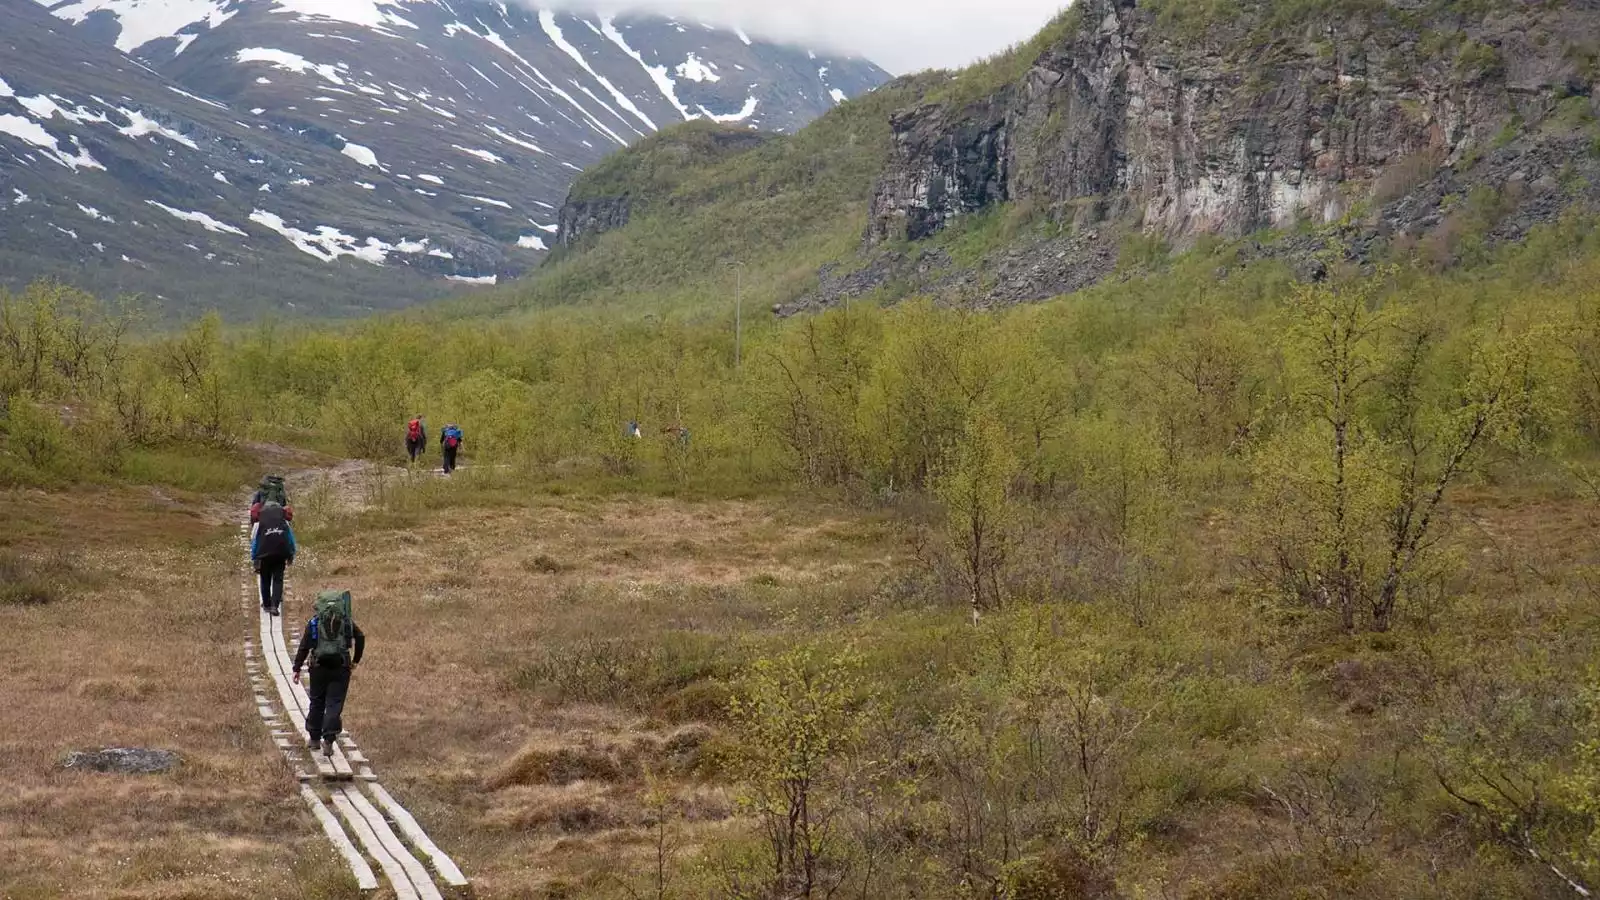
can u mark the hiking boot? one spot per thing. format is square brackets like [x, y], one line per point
[314, 744]
[275, 611]
[327, 747]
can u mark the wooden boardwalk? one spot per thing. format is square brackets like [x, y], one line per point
[386, 835]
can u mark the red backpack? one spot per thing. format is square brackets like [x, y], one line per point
[414, 430]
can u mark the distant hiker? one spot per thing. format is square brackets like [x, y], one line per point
[334, 645]
[450, 444]
[272, 549]
[272, 489]
[634, 431]
[416, 437]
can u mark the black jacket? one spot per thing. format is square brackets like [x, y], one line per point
[309, 643]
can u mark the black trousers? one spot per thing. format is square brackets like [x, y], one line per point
[325, 718]
[450, 459]
[272, 582]
[414, 448]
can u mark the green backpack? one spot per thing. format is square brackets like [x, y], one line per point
[336, 629]
[273, 490]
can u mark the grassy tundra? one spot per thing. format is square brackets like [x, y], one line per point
[1185, 586]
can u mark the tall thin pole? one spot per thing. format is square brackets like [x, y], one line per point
[738, 316]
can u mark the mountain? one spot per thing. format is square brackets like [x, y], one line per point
[334, 156]
[1123, 132]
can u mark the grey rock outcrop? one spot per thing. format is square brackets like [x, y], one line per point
[1239, 128]
[585, 220]
[949, 165]
[122, 761]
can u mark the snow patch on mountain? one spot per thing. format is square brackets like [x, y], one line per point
[44, 109]
[326, 243]
[362, 155]
[143, 21]
[140, 125]
[292, 62]
[489, 200]
[366, 13]
[694, 69]
[33, 134]
[513, 139]
[749, 110]
[484, 155]
[658, 74]
[198, 218]
[547, 21]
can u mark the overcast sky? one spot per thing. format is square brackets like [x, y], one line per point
[900, 35]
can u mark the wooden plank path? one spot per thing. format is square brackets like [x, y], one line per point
[338, 780]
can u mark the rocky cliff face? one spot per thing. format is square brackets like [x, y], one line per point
[585, 220]
[1251, 123]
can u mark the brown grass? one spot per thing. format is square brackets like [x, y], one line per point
[530, 788]
[534, 669]
[143, 648]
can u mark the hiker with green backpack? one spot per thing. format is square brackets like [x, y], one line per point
[333, 643]
[272, 490]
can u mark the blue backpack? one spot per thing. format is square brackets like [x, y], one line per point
[452, 437]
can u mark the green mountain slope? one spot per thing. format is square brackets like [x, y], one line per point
[783, 207]
[1121, 133]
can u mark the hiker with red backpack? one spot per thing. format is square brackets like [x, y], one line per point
[416, 437]
[450, 444]
[334, 644]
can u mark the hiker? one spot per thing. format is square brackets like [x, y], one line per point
[450, 444]
[272, 488]
[416, 437]
[334, 644]
[272, 549]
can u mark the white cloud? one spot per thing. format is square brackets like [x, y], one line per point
[900, 35]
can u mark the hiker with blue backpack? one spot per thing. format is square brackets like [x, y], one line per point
[333, 643]
[449, 445]
[272, 550]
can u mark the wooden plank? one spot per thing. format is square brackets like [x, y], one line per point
[365, 879]
[414, 869]
[403, 888]
[324, 767]
[419, 839]
[279, 677]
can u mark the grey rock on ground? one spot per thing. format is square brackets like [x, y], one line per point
[123, 761]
